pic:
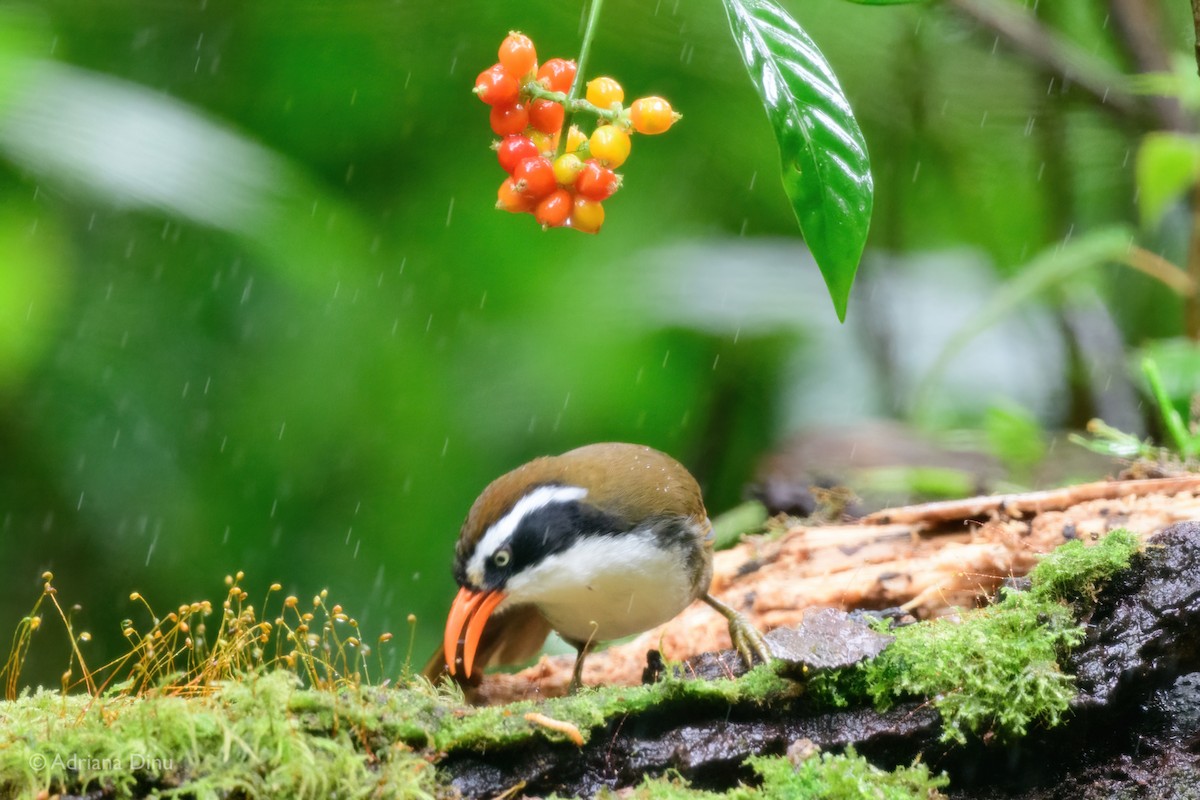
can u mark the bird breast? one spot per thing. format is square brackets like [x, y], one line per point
[605, 587]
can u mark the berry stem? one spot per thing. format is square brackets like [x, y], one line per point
[538, 92]
[585, 49]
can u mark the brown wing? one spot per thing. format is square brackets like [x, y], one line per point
[509, 638]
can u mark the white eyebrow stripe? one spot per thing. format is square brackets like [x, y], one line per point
[502, 529]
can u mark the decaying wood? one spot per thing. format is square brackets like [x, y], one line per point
[1017, 505]
[931, 560]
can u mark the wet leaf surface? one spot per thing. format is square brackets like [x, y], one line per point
[826, 170]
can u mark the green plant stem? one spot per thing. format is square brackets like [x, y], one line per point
[539, 92]
[585, 49]
[1171, 419]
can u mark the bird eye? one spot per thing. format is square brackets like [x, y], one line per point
[502, 558]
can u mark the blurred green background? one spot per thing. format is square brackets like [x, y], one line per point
[257, 311]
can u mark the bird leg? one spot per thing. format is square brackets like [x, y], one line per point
[577, 674]
[746, 638]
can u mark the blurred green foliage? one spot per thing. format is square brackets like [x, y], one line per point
[257, 311]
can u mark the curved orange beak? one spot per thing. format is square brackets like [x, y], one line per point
[470, 610]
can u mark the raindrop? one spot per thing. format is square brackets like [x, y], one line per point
[282, 425]
[186, 386]
[116, 438]
[246, 289]
[716, 361]
[450, 212]
[356, 546]
[916, 171]
[150, 551]
[349, 531]
[753, 179]
[79, 505]
[983, 121]
[274, 507]
[225, 538]
[666, 357]
[445, 446]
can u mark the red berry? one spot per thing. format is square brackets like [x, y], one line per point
[597, 182]
[510, 119]
[515, 149]
[509, 199]
[496, 87]
[553, 211]
[534, 177]
[557, 75]
[546, 116]
[518, 54]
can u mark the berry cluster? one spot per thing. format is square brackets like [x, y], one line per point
[562, 183]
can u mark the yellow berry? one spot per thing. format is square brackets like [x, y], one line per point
[610, 145]
[587, 215]
[575, 139]
[604, 92]
[567, 168]
[652, 115]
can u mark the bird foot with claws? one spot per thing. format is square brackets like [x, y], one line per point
[746, 638]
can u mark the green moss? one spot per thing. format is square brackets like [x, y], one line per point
[264, 736]
[996, 668]
[825, 776]
[592, 709]
[241, 739]
[1076, 572]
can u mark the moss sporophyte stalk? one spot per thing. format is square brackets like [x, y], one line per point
[212, 699]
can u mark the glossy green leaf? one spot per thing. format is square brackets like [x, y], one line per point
[826, 171]
[1168, 164]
